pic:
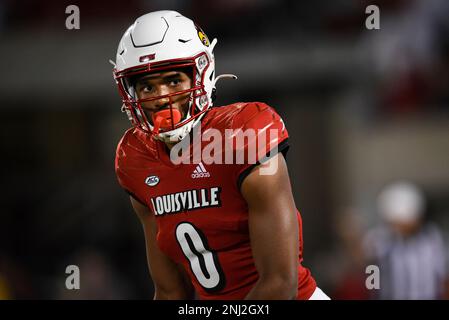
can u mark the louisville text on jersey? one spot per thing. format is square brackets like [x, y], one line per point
[186, 200]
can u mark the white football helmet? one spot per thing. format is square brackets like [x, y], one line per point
[160, 41]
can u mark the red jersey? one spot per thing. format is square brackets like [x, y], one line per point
[201, 215]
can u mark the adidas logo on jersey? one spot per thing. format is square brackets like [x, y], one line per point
[200, 172]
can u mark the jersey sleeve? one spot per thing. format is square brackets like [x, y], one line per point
[260, 134]
[125, 167]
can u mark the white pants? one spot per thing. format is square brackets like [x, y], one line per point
[318, 294]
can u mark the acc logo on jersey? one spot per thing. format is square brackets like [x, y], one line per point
[204, 39]
[152, 181]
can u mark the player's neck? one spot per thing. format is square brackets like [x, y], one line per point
[170, 145]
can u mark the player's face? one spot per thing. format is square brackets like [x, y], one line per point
[160, 84]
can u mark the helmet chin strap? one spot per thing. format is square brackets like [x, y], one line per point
[224, 76]
[221, 76]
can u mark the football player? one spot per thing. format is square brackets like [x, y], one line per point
[213, 229]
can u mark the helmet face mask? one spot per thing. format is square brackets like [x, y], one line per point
[176, 44]
[197, 96]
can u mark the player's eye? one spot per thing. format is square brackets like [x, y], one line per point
[147, 89]
[175, 82]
